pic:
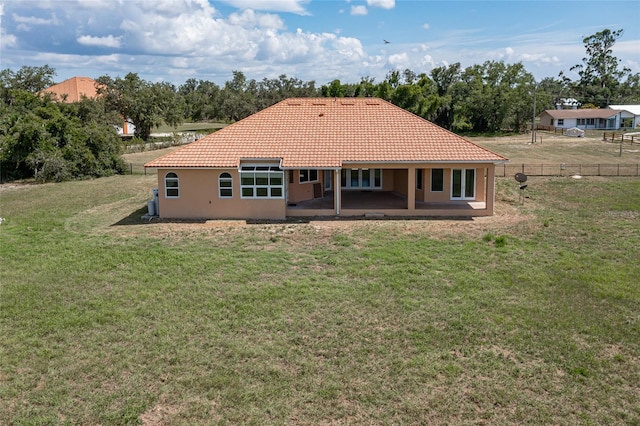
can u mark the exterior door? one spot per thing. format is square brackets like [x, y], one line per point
[327, 180]
[463, 184]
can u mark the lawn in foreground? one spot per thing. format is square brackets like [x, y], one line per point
[528, 317]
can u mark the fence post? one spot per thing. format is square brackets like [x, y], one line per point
[131, 168]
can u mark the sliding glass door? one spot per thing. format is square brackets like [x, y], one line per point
[463, 184]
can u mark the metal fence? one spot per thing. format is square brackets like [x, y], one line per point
[567, 169]
[503, 170]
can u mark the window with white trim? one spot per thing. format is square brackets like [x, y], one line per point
[261, 181]
[560, 121]
[308, 175]
[225, 185]
[463, 184]
[171, 185]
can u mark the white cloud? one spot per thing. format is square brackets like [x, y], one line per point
[108, 41]
[425, 26]
[249, 19]
[33, 20]
[359, 10]
[6, 40]
[383, 4]
[427, 60]
[290, 6]
[538, 58]
[399, 61]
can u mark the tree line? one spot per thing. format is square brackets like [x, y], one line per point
[57, 141]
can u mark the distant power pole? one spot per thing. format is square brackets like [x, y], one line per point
[533, 119]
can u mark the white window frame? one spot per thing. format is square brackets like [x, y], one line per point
[167, 187]
[272, 173]
[306, 175]
[463, 184]
[225, 179]
[560, 121]
[372, 178]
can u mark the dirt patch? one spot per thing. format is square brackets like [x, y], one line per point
[508, 217]
[7, 187]
[158, 415]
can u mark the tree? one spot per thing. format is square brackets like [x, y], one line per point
[239, 97]
[29, 79]
[145, 104]
[446, 79]
[600, 74]
[54, 141]
[201, 100]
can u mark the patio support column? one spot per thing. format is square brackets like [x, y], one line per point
[337, 191]
[490, 190]
[411, 189]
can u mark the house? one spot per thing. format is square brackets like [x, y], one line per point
[632, 116]
[74, 88]
[327, 157]
[604, 118]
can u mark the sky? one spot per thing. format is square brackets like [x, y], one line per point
[312, 40]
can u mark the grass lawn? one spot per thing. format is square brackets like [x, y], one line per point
[190, 127]
[556, 149]
[530, 316]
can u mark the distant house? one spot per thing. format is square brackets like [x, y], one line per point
[604, 118]
[633, 113]
[327, 157]
[74, 88]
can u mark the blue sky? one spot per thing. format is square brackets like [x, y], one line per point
[174, 40]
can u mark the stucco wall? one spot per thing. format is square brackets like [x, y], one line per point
[199, 198]
[302, 191]
[199, 192]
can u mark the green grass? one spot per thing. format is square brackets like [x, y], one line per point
[190, 127]
[527, 317]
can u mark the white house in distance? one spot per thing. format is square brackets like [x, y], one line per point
[600, 119]
[632, 109]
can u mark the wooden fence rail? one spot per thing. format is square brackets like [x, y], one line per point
[612, 137]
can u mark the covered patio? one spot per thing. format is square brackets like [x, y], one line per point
[385, 202]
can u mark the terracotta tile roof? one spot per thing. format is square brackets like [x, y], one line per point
[73, 88]
[581, 113]
[327, 133]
